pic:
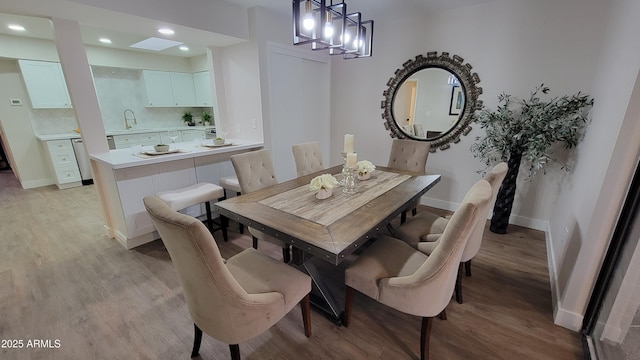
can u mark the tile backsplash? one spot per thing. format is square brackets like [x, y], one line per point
[118, 89]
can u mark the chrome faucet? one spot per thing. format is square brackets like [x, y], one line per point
[126, 120]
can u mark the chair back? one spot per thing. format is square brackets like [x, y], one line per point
[435, 278]
[494, 177]
[410, 155]
[308, 158]
[254, 170]
[214, 297]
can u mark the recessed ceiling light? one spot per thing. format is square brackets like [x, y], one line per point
[105, 40]
[166, 31]
[184, 48]
[16, 27]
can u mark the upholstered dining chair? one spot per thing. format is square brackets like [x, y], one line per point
[255, 171]
[230, 300]
[410, 155]
[411, 281]
[424, 230]
[308, 158]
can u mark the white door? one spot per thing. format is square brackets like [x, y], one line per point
[299, 100]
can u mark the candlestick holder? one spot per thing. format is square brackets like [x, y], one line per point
[350, 182]
[344, 171]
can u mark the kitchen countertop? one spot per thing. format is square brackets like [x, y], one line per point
[74, 135]
[124, 158]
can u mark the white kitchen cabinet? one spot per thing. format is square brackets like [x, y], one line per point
[202, 85]
[190, 135]
[126, 141]
[45, 84]
[64, 164]
[184, 93]
[149, 139]
[157, 85]
[169, 89]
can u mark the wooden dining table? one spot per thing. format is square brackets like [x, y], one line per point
[329, 229]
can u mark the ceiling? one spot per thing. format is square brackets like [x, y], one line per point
[95, 22]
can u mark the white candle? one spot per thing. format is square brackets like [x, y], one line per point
[352, 159]
[348, 143]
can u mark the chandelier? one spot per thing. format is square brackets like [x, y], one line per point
[331, 28]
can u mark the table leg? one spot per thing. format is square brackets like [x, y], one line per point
[321, 296]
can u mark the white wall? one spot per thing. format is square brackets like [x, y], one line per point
[513, 46]
[27, 159]
[591, 197]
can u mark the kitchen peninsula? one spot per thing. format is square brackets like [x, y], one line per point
[127, 178]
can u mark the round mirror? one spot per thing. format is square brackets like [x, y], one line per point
[433, 99]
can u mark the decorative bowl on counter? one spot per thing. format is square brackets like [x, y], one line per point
[218, 141]
[161, 148]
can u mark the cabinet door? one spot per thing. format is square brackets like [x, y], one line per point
[126, 141]
[183, 91]
[158, 88]
[190, 135]
[202, 85]
[45, 84]
[150, 139]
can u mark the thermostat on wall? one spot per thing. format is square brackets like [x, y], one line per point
[15, 102]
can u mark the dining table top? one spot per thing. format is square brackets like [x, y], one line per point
[331, 228]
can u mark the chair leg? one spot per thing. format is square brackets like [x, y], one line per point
[235, 351]
[459, 285]
[286, 254]
[414, 212]
[196, 341]
[443, 314]
[467, 267]
[403, 217]
[255, 242]
[305, 304]
[240, 226]
[207, 205]
[348, 299]
[224, 222]
[425, 334]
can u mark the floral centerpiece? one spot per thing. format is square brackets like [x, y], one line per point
[365, 167]
[323, 185]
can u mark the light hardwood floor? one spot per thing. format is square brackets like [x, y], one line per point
[62, 278]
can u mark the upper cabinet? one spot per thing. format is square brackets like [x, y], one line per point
[158, 88]
[45, 84]
[171, 89]
[184, 93]
[202, 85]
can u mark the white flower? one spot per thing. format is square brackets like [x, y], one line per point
[324, 181]
[365, 167]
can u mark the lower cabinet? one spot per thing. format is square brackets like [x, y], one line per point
[64, 164]
[154, 138]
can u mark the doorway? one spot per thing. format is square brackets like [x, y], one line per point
[611, 327]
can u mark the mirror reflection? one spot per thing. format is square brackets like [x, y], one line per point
[432, 98]
[428, 103]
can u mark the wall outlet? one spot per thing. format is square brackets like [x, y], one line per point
[254, 124]
[15, 102]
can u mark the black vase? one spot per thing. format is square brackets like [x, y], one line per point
[506, 194]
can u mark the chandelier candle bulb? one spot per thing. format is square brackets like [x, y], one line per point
[352, 158]
[348, 143]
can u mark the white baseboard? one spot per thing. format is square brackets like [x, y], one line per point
[561, 317]
[37, 183]
[527, 222]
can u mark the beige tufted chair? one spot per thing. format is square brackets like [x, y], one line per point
[410, 155]
[230, 300]
[424, 230]
[308, 158]
[397, 275]
[255, 171]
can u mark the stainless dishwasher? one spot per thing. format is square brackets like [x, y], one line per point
[83, 161]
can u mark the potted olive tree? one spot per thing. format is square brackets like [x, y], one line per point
[524, 130]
